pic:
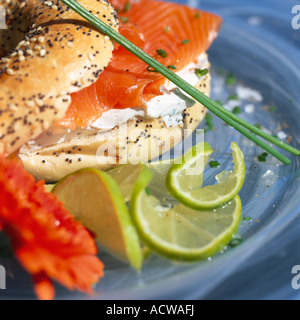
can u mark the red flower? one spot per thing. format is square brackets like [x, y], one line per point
[46, 239]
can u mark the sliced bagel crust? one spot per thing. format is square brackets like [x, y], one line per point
[47, 52]
[137, 140]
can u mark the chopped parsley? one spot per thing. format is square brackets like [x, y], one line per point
[248, 218]
[167, 29]
[230, 79]
[273, 108]
[172, 67]
[233, 97]
[201, 72]
[209, 121]
[235, 242]
[262, 157]
[148, 191]
[197, 15]
[214, 164]
[124, 19]
[236, 110]
[162, 53]
[185, 41]
[257, 125]
[127, 7]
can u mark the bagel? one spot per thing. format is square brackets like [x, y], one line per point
[48, 62]
[43, 62]
[139, 139]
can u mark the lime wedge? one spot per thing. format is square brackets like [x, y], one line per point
[178, 232]
[126, 176]
[93, 197]
[49, 187]
[159, 170]
[188, 189]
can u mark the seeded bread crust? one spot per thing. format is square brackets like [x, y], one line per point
[46, 53]
[138, 140]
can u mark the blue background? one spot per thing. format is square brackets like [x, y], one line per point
[266, 56]
[267, 273]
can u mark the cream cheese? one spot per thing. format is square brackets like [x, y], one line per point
[114, 117]
[169, 106]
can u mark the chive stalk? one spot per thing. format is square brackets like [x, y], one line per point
[227, 116]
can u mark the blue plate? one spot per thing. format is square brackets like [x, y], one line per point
[258, 45]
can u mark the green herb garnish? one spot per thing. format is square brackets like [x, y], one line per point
[236, 110]
[233, 97]
[233, 120]
[162, 53]
[230, 79]
[127, 7]
[258, 126]
[197, 15]
[273, 108]
[185, 41]
[262, 157]
[201, 72]
[248, 218]
[167, 29]
[172, 67]
[124, 19]
[209, 121]
[148, 191]
[214, 164]
[235, 242]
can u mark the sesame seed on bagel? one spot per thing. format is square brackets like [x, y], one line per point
[47, 52]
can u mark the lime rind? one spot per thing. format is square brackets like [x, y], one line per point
[157, 230]
[126, 230]
[190, 158]
[126, 176]
[187, 172]
[130, 236]
[212, 196]
[213, 247]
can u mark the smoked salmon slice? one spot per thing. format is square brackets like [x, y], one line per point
[173, 34]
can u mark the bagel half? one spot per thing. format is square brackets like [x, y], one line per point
[46, 61]
[43, 62]
[140, 139]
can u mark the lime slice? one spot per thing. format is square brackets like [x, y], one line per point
[159, 170]
[94, 198]
[185, 189]
[126, 176]
[179, 232]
